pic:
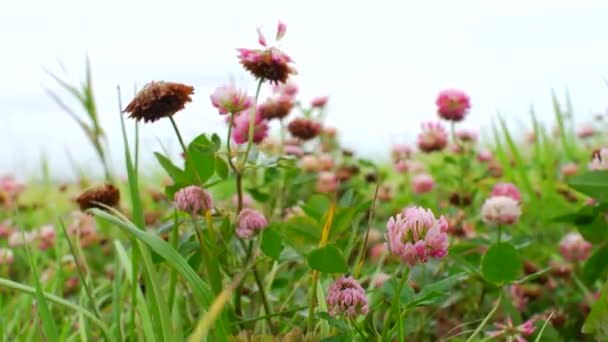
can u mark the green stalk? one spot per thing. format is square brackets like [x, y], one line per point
[395, 307]
[184, 149]
[252, 122]
[59, 301]
[486, 319]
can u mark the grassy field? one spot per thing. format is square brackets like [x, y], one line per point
[286, 236]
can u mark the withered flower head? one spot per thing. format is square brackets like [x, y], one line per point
[457, 199]
[304, 129]
[108, 195]
[276, 108]
[158, 100]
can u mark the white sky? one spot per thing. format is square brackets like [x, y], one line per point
[382, 62]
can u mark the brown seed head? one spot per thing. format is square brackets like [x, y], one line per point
[276, 109]
[108, 195]
[270, 64]
[304, 129]
[158, 100]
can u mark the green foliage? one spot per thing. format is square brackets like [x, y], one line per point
[501, 264]
[327, 259]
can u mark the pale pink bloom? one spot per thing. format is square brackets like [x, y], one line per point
[422, 183]
[506, 189]
[249, 223]
[319, 102]
[261, 38]
[5, 229]
[18, 238]
[415, 235]
[377, 251]
[46, 237]
[600, 160]
[415, 166]
[485, 156]
[6, 256]
[586, 131]
[401, 166]
[83, 227]
[569, 169]
[229, 99]
[327, 182]
[247, 200]
[193, 200]
[10, 188]
[500, 210]
[330, 131]
[326, 162]
[346, 297]
[513, 333]
[401, 151]
[240, 131]
[432, 137]
[574, 247]
[309, 163]
[380, 279]
[453, 104]
[518, 297]
[466, 135]
[281, 29]
[293, 150]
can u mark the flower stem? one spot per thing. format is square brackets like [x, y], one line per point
[395, 306]
[461, 163]
[184, 149]
[252, 122]
[369, 226]
[499, 237]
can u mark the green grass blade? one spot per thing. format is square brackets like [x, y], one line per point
[59, 301]
[48, 323]
[79, 269]
[521, 165]
[144, 313]
[201, 292]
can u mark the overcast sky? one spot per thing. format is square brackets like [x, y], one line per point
[382, 62]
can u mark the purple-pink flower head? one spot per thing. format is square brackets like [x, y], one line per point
[229, 99]
[346, 297]
[319, 101]
[500, 210]
[193, 200]
[281, 29]
[401, 152]
[512, 332]
[269, 63]
[288, 89]
[433, 137]
[506, 189]
[466, 135]
[453, 104]
[422, 183]
[240, 131]
[416, 235]
[574, 247]
[249, 223]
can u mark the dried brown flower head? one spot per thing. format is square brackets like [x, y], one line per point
[276, 109]
[108, 195]
[158, 100]
[457, 199]
[304, 129]
[269, 64]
